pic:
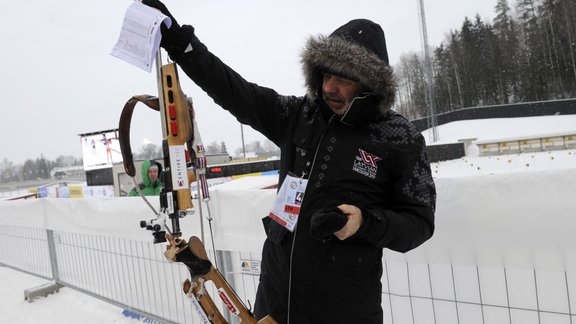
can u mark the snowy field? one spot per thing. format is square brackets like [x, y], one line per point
[496, 129]
[499, 128]
[69, 306]
[504, 164]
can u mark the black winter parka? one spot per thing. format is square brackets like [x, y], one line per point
[371, 157]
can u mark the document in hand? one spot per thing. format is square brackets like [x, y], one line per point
[140, 37]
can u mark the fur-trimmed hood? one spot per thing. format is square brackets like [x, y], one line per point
[357, 51]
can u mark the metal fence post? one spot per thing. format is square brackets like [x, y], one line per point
[51, 287]
[53, 256]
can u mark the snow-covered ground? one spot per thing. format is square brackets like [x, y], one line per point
[66, 306]
[69, 306]
[497, 129]
[501, 128]
[508, 163]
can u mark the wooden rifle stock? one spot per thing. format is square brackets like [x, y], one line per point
[179, 131]
[175, 200]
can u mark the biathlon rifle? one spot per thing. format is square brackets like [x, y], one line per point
[177, 118]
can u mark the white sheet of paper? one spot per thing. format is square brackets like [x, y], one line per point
[140, 35]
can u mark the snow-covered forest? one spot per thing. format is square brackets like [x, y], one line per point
[527, 53]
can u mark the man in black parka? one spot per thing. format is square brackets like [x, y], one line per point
[369, 181]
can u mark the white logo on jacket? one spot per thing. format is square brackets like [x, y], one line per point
[365, 164]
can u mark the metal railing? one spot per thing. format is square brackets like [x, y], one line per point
[135, 275]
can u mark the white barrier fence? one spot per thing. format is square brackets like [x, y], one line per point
[504, 251]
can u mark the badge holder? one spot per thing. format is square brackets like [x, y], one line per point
[288, 202]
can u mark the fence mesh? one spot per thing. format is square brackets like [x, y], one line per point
[135, 275]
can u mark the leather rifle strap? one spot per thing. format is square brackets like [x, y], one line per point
[124, 128]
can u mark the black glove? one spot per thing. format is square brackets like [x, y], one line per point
[327, 221]
[172, 38]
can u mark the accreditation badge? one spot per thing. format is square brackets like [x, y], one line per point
[288, 201]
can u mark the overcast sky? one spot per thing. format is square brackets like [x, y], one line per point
[58, 79]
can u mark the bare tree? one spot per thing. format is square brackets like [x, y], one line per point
[269, 146]
[213, 148]
[149, 151]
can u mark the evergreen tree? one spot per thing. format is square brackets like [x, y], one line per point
[533, 70]
[29, 170]
[559, 41]
[507, 52]
[487, 56]
[42, 167]
[527, 56]
[469, 61]
[444, 80]
[567, 9]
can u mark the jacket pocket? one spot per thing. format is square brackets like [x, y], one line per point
[352, 269]
[355, 261]
[274, 231]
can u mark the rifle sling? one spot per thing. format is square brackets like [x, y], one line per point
[124, 128]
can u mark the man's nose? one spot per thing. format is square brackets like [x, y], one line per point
[329, 84]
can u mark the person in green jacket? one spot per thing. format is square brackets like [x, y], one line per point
[150, 185]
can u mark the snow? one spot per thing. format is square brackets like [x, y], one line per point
[66, 306]
[504, 164]
[259, 182]
[483, 176]
[503, 128]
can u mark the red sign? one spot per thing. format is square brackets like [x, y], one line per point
[291, 209]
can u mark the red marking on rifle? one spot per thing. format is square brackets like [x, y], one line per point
[227, 301]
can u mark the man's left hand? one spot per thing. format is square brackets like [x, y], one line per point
[354, 221]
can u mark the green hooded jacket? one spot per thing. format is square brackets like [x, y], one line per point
[149, 188]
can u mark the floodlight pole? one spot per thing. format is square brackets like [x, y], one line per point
[432, 119]
[242, 136]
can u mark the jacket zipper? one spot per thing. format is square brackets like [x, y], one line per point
[296, 229]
